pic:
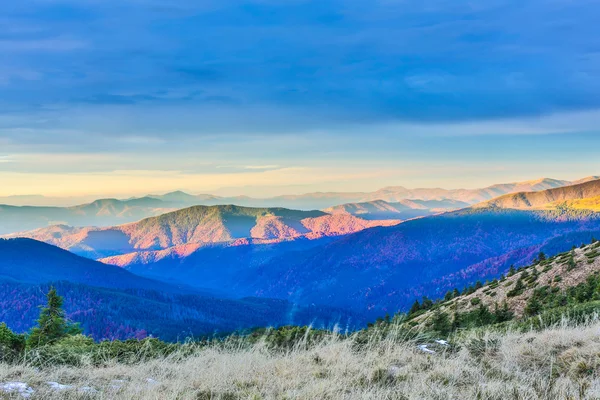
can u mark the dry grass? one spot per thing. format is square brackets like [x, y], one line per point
[547, 277]
[561, 362]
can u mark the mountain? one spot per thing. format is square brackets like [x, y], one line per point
[109, 212]
[549, 198]
[382, 269]
[34, 262]
[202, 225]
[111, 303]
[568, 278]
[104, 212]
[392, 194]
[402, 210]
[180, 197]
[470, 196]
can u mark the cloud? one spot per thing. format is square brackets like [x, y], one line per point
[261, 167]
[257, 86]
[330, 61]
[42, 45]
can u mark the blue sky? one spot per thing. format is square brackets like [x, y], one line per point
[130, 96]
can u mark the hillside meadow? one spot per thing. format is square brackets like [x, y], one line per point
[558, 362]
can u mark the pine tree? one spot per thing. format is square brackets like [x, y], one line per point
[483, 316]
[11, 344]
[571, 263]
[441, 323]
[502, 314]
[52, 324]
[416, 307]
[533, 306]
[427, 303]
[455, 293]
[455, 321]
[517, 289]
[541, 257]
[512, 270]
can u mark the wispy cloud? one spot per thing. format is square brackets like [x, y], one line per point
[42, 45]
[248, 88]
[261, 167]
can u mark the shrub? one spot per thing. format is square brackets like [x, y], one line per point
[517, 290]
[11, 344]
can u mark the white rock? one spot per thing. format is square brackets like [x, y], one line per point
[116, 384]
[88, 389]
[58, 386]
[442, 342]
[424, 349]
[17, 387]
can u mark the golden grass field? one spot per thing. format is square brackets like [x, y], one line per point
[560, 362]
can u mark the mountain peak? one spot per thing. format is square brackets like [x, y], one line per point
[545, 198]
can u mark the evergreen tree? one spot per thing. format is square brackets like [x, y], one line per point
[427, 303]
[483, 316]
[440, 323]
[502, 314]
[416, 307]
[533, 306]
[541, 257]
[571, 262]
[455, 321]
[517, 289]
[455, 293]
[512, 270]
[52, 324]
[11, 344]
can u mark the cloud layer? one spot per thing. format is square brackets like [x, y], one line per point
[263, 85]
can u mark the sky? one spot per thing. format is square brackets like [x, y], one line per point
[265, 97]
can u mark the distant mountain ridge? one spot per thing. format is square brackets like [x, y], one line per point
[110, 212]
[100, 212]
[402, 210]
[383, 269]
[111, 302]
[34, 262]
[547, 198]
[201, 225]
[322, 200]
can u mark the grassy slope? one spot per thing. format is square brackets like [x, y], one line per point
[558, 363]
[555, 273]
[540, 199]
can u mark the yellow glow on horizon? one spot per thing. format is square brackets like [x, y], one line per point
[134, 182]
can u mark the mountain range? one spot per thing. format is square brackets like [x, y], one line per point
[552, 198]
[348, 262]
[111, 302]
[401, 210]
[194, 227]
[20, 213]
[383, 269]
